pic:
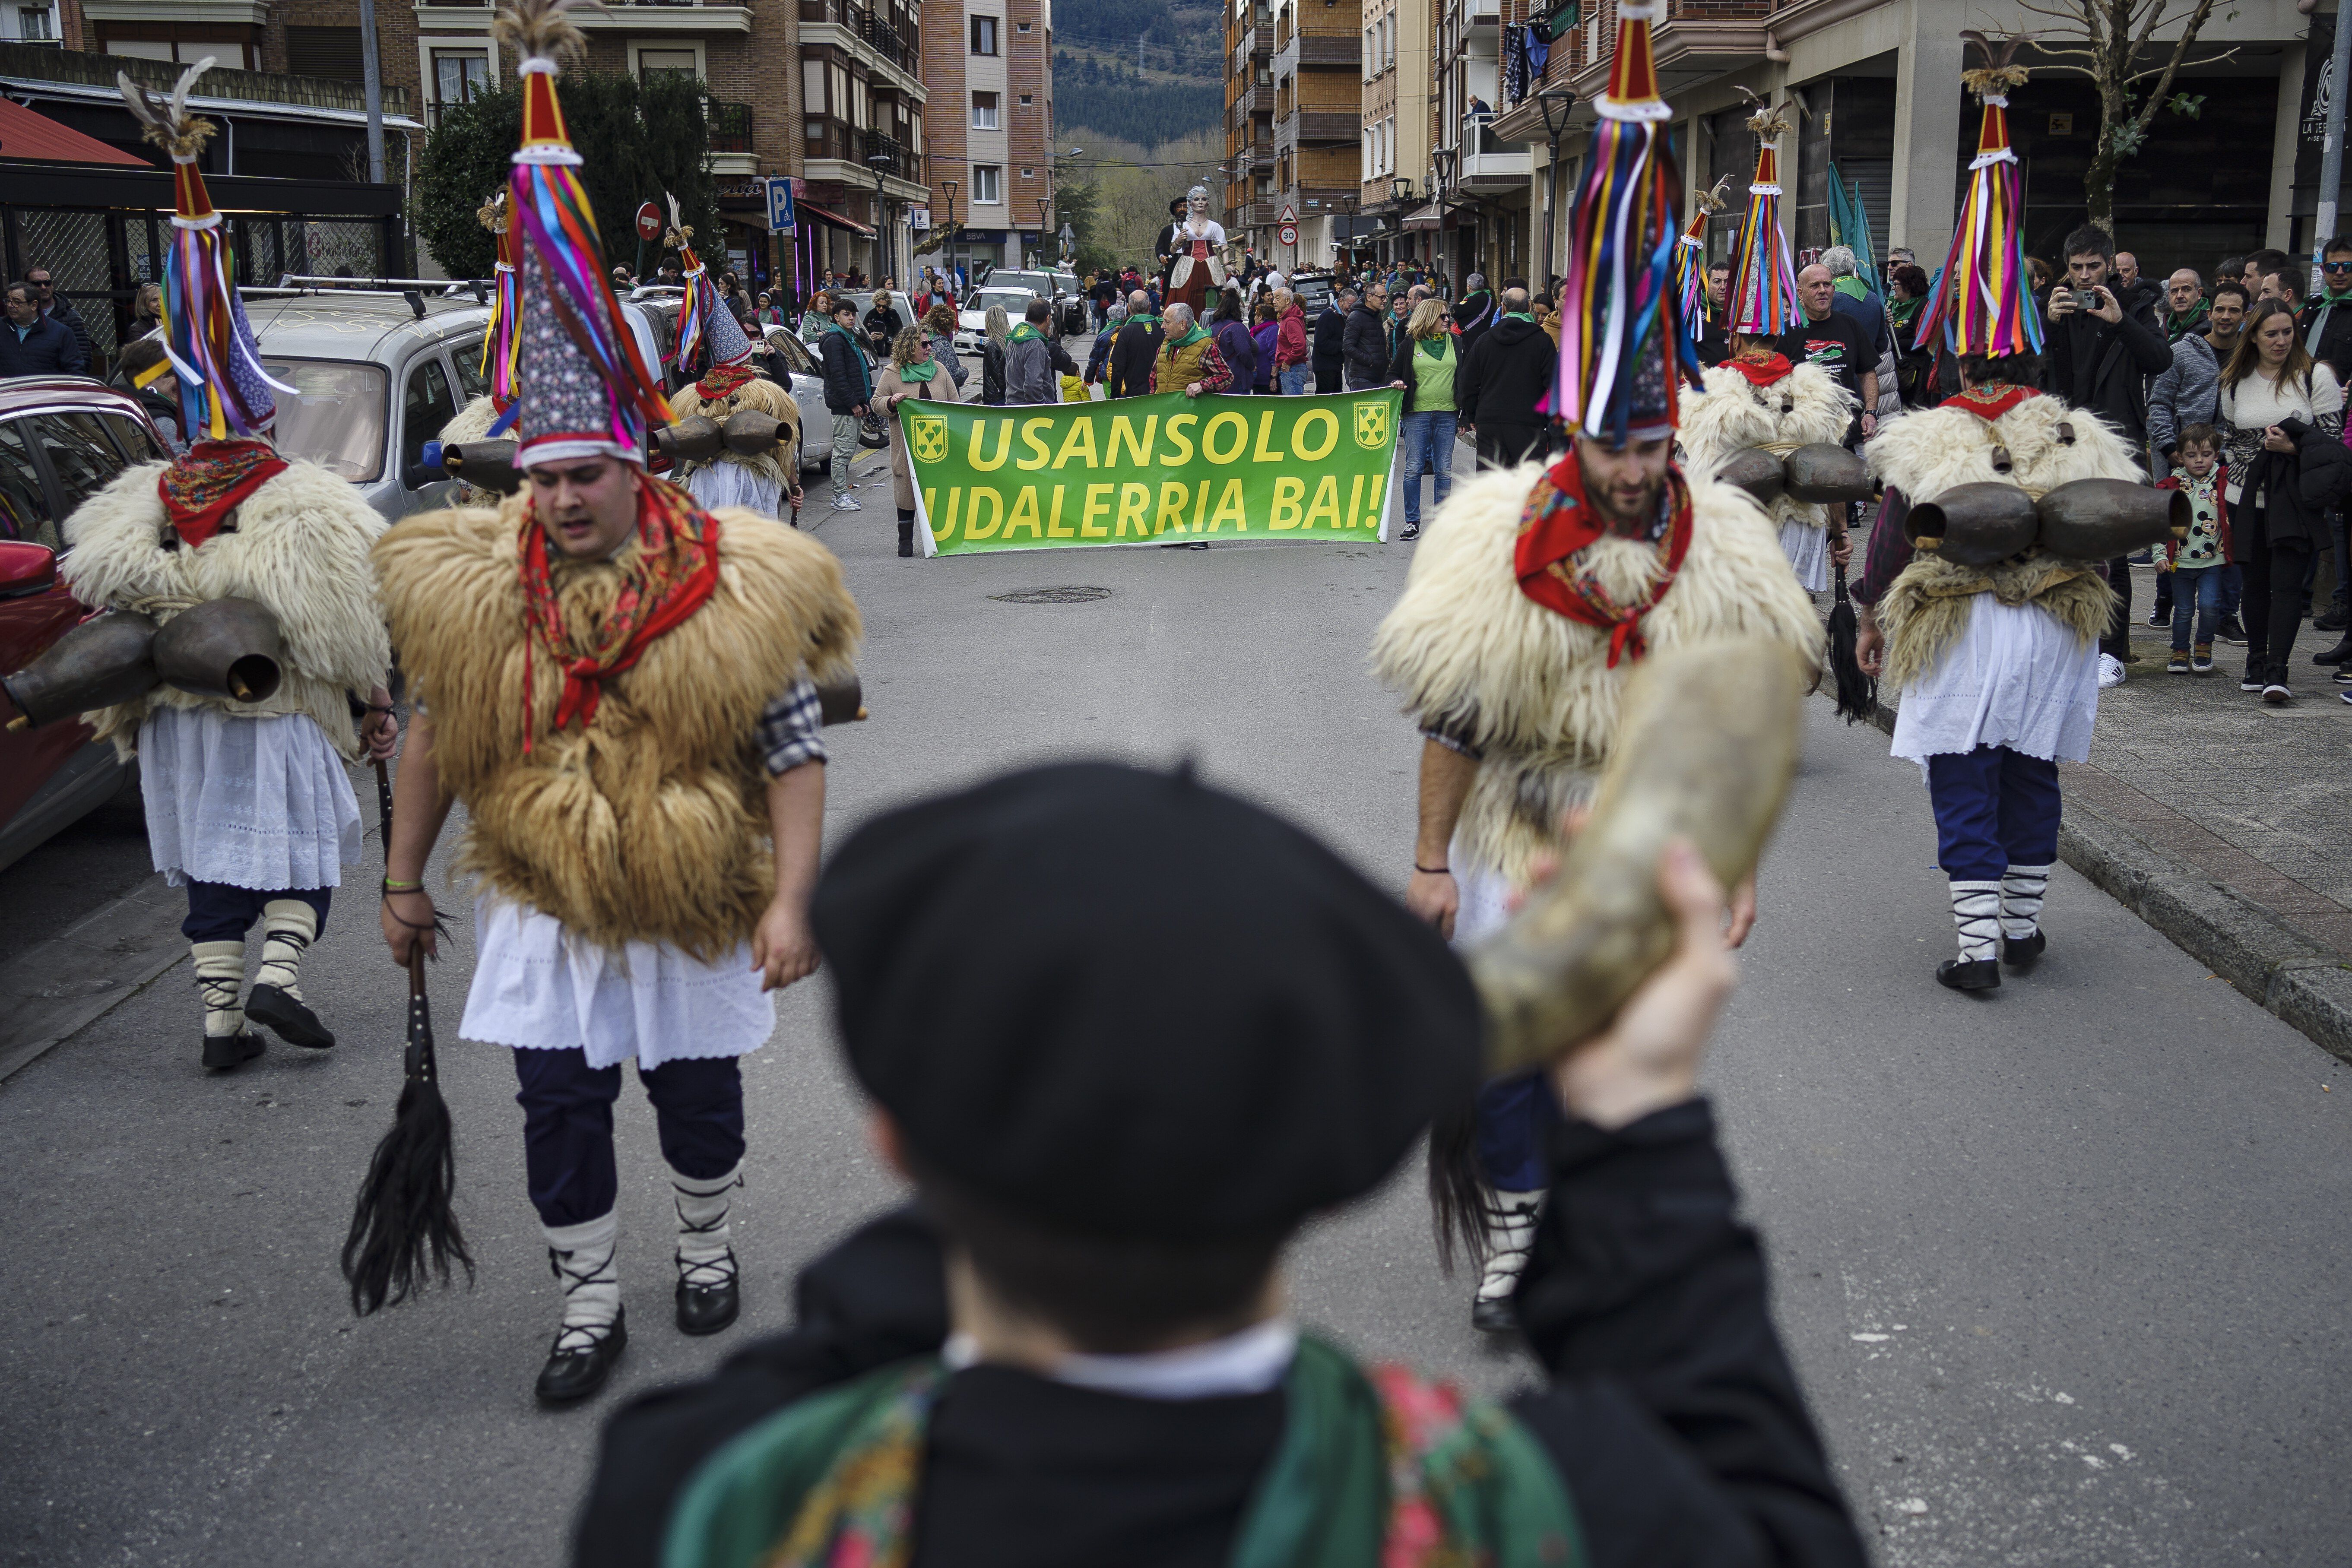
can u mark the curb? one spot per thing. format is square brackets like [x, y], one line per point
[72, 980]
[2302, 982]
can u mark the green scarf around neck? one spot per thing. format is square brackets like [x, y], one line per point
[1904, 312]
[1438, 346]
[1191, 337]
[923, 370]
[1852, 287]
[1023, 334]
[1372, 1467]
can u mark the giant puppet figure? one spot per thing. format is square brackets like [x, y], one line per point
[1196, 269]
[248, 804]
[616, 684]
[1532, 597]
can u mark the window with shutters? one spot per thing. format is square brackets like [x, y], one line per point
[329, 52]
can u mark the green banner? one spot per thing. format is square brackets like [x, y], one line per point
[1144, 470]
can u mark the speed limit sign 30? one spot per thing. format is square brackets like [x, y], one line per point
[1289, 234]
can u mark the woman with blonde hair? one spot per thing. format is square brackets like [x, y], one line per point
[1423, 370]
[915, 372]
[991, 357]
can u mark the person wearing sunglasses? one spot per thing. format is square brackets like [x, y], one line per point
[56, 308]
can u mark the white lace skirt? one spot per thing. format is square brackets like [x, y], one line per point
[537, 987]
[732, 484]
[2014, 676]
[254, 803]
[1808, 550]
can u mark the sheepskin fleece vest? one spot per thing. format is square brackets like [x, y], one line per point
[1731, 413]
[1925, 609]
[777, 465]
[1531, 689]
[649, 823]
[299, 545]
[1926, 453]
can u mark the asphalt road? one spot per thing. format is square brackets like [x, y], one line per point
[2063, 1270]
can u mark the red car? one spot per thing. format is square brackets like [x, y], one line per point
[61, 439]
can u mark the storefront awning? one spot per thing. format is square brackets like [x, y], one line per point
[37, 139]
[1424, 219]
[831, 220]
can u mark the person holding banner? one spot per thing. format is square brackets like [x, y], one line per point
[915, 372]
[1533, 594]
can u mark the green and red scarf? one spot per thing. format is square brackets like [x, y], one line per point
[669, 571]
[1374, 1469]
[1558, 523]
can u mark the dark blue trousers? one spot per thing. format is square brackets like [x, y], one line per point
[1515, 1116]
[567, 1126]
[1995, 808]
[218, 913]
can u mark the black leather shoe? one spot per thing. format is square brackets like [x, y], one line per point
[708, 1304]
[2332, 621]
[1971, 974]
[1493, 1315]
[289, 1019]
[2336, 655]
[223, 1052]
[571, 1375]
[2019, 952]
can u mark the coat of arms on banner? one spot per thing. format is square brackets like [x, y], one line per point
[1371, 425]
[927, 436]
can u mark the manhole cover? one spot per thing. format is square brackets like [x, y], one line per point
[1052, 595]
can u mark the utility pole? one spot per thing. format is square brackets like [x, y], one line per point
[2331, 152]
[371, 76]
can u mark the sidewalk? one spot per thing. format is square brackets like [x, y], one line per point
[2225, 824]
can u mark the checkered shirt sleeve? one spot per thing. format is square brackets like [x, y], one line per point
[792, 730]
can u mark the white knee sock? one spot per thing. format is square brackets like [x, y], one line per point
[1510, 1219]
[582, 1258]
[2022, 888]
[706, 1252]
[288, 926]
[1975, 910]
[220, 978]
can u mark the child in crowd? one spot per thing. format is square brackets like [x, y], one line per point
[2196, 561]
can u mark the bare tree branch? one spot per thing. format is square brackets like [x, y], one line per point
[2188, 41]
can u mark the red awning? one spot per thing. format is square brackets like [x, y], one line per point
[836, 219]
[37, 139]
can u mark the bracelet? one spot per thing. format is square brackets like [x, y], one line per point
[391, 886]
[1432, 871]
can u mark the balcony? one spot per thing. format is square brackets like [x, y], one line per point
[1321, 127]
[1321, 49]
[1489, 161]
[1256, 46]
[1254, 215]
[46, 62]
[863, 32]
[731, 153]
[687, 16]
[845, 155]
[1477, 11]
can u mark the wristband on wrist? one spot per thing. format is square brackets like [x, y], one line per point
[1432, 871]
[391, 886]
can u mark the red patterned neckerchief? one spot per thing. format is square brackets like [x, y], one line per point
[1991, 401]
[1763, 370]
[722, 380]
[1557, 523]
[199, 490]
[674, 569]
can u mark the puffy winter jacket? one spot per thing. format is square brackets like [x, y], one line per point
[1364, 346]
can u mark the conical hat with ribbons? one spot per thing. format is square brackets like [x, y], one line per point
[1980, 302]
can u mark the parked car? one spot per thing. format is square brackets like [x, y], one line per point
[61, 439]
[972, 322]
[796, 369]
[375, 375]
[1314, 291]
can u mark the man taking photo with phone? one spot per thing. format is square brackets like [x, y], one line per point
[2097, 357]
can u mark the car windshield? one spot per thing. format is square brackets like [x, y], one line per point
[786, 347]
[1014, 300]
[335, 417]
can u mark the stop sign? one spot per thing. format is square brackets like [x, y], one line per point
[649, 222]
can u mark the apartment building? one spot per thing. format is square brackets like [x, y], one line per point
[1876, 88]
[1316, 65]
[989, 65]
[1250, 209]
[1476, 217]
[862, 112]
[1393, 166]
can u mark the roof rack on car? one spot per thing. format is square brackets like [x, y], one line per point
[412, 289]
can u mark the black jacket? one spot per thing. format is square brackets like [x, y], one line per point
[1507, 376]
[2293, 491]
[1364, 347]
[1131, 358]
[2103, 368]
[1474, 315]
[49, 349]
[2334, 346]
[847, 381]
[1671, 1411]
[991, 372]
[1325, 352]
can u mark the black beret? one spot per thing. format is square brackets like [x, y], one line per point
[1120, 1002]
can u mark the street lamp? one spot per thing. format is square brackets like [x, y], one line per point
[1044, 225]
[1556, 102]
[949, 237]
